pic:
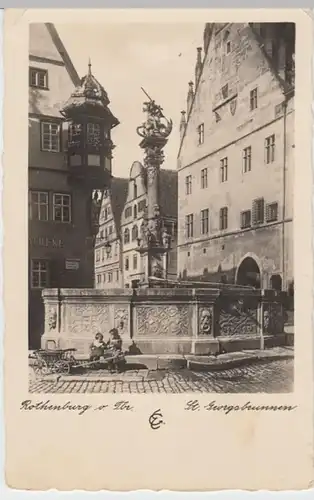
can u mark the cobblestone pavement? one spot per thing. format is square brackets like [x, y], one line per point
[268, 377]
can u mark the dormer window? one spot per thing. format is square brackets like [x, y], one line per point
[38, 78]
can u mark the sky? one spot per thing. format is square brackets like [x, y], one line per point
[126, 57]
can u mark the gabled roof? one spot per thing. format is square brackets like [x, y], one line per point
[45, 42]
[212, 28]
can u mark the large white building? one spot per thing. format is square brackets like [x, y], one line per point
[236, 158]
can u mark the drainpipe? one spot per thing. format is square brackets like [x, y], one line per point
[283, 247]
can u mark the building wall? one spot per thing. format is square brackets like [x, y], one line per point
[107, 263]
[131, 265]
[65, 245]
[220, 252]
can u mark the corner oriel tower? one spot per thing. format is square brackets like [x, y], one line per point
[154, 243]
[90, 146]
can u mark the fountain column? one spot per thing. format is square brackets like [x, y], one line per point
[154, 241]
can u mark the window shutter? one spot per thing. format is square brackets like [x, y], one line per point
[258, 211]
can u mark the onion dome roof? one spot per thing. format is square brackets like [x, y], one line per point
[90, 98]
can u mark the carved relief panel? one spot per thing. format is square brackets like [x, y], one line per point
[51, 318]
[121, 319]
[87, 319]
[205, 320]
[158, 320]
[273, 319]
[236, 318]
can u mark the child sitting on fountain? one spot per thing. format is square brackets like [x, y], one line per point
[115, 341]
[97, 347]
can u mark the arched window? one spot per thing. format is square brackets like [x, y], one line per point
[134, 233]
[126, 236]
[135, 190]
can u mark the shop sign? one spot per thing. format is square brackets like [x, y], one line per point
[72, 265]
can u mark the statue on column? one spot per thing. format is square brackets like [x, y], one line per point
[153, 242]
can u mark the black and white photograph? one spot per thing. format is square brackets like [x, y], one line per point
[161, 208]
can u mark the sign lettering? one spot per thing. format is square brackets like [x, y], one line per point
[44, 241]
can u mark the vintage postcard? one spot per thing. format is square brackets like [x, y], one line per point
[157, 249]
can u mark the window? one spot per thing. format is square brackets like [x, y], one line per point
[141, 205]
[204, 178]
[98, 279]
[200, 131]
[110, 230]
[270, 149]
[134, 233]
[134, 261]
[126, 236]
[74, 134]
[135, 190]
[62, 207]
[38, 205]
[204, 221]
[228, 47]
[97, 255]
[253, 99]
[109, 277]
[93, 134]
[117, 275]
[106, 233]
[135, 211]
[39, 273]
[224, 170]
[258, 211]
[50, 136]
[245, 219]
[103, 254]
[225, 91]
[247, 159]
[188, 184]
[116, 249]
[271, 212]
[189, 225]
[104, 277]
[126, 263]
[223, 218]
[38, 78]
[128, 212]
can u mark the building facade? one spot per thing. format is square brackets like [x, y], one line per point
[108, 243]
[236, 158]
[65, 168]
[123, 215]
